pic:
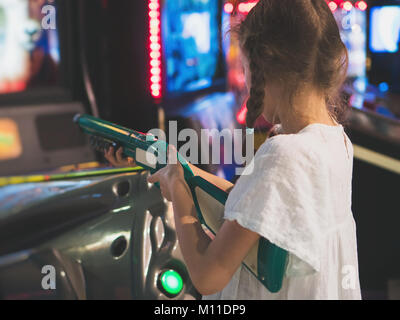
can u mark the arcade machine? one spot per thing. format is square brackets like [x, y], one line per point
[70, 227]
[36, 92]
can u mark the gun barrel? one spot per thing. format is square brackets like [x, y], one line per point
[99, 127]
[77, 117]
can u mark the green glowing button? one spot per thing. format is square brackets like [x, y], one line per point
[171, 282]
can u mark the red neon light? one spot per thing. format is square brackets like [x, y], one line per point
[153, 14]
[332, 5]
[155, 47]
[155, 55]
[155, 71]
[228, 7]
[347, 5]
[155, 77]
[153, 5]
[241, 115]
[362, 5]
[245, 7]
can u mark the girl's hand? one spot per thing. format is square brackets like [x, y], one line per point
[118, 160]
[168, 176]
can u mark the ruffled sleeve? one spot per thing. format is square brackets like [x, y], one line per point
[279, 196]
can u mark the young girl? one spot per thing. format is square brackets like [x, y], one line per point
[299, 193]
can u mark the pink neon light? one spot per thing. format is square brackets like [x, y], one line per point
[347, 5]
[332, 5]
[241, 115]
[228, 7]
[362, 5]
[155, 77]
[245, 7]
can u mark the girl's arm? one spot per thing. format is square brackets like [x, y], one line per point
[211, 263]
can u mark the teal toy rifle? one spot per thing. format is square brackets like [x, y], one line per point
[265, 260]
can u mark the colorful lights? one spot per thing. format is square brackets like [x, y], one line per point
[332, 5]
[383, 87]
[362, 5]
[155, 63]
[228, 7]
[155, 49]
[241, 115]
[245, 7]
[347, 5]
[171, 282]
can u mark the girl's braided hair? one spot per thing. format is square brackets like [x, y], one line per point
[293, 43]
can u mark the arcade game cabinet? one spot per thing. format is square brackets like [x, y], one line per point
[71, 227]
[36, 91]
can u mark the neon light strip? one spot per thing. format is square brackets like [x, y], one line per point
[155, 48]
[346, 5]
[42, 178]
[377, 159]
[245, 7]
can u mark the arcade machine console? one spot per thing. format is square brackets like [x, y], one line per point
[38, 90]
[106, 234]
[102, 233]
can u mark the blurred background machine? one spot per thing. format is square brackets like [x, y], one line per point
[142, 64]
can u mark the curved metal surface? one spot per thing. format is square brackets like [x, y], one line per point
[376, 125]
[94, 231]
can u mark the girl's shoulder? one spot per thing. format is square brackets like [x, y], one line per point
[312, 145]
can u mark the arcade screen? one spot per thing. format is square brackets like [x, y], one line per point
[10, 142]
[29, 46]
[352, 26]
[191, 44]
[385, 29]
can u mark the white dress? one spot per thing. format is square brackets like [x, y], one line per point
[297, 194]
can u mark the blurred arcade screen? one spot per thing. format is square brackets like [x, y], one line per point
[29, 53]
[352, 25]
[10, 142]
[385, 29]
[191, 42]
